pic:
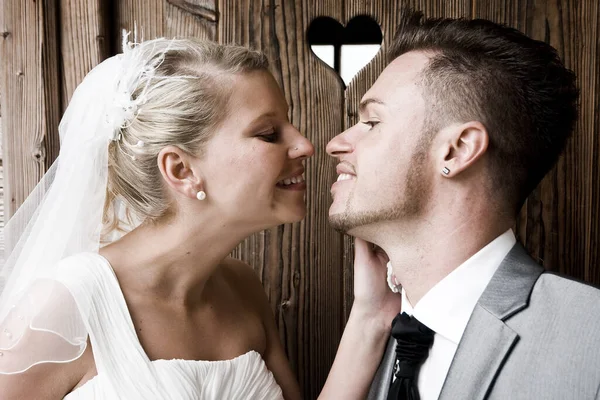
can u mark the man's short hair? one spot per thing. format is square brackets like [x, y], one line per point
[516, 86]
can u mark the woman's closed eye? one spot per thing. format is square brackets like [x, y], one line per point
[269, 136]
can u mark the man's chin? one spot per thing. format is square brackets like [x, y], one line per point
[343, 223]
[358, 224]
[336, 221]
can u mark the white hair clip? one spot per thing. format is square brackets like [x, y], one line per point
[137, 71]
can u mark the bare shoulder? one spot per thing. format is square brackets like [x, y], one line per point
[245, 281]
[52, 381]
[238, 271]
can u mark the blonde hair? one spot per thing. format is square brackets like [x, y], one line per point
[188, 100]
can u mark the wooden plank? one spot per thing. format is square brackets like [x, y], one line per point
[443, 8]
[173, 18]
[573, 27]
[501, 11]
[204, 9]
[145, 16]
[2, 220]
[187, 18]
[1, 129]
[588, 52]
[299, 264]
[30, 94]
[84, 41]
[50, 90]
[317, 106]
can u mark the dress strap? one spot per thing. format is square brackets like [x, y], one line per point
[120, 359]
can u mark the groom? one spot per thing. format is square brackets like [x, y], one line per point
[460, 127]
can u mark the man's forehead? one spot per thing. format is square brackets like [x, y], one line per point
[401, 74]
[408, 65]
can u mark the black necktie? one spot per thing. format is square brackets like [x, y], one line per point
[413, 340]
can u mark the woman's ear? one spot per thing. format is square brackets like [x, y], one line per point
[462, 146]
[178, 171]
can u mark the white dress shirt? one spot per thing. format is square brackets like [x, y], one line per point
[447, 307]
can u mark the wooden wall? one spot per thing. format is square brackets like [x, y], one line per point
[47, 46]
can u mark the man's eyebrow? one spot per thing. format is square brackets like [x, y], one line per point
[363, 104]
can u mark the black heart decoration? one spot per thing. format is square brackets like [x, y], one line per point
[345, 49]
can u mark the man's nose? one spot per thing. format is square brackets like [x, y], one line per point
[338, 146]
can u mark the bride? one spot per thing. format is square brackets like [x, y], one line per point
[116, 282]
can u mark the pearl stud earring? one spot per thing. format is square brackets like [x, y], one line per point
[201, 195]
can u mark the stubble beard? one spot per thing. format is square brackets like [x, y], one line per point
[417, 189]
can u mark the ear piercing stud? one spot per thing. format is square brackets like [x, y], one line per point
[445, 171]
[201, 195]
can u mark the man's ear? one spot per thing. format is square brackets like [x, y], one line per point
[178, 172]
[462, 145]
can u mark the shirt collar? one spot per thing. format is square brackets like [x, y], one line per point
[447, 307]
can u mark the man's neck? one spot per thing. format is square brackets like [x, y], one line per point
[426, 256]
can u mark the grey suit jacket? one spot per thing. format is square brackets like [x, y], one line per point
[532, 335]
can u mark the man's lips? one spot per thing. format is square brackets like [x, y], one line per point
[345, 168]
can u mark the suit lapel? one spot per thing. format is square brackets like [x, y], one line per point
[478, 358]
[383, 377]
[487, 340]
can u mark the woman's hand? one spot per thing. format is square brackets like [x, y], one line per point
[373, 299]
[367, 330]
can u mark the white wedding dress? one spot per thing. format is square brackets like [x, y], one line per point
[124, 370]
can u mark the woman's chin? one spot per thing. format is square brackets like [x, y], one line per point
[294, 215]
[288, 216]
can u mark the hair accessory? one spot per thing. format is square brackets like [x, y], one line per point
[136, 70]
